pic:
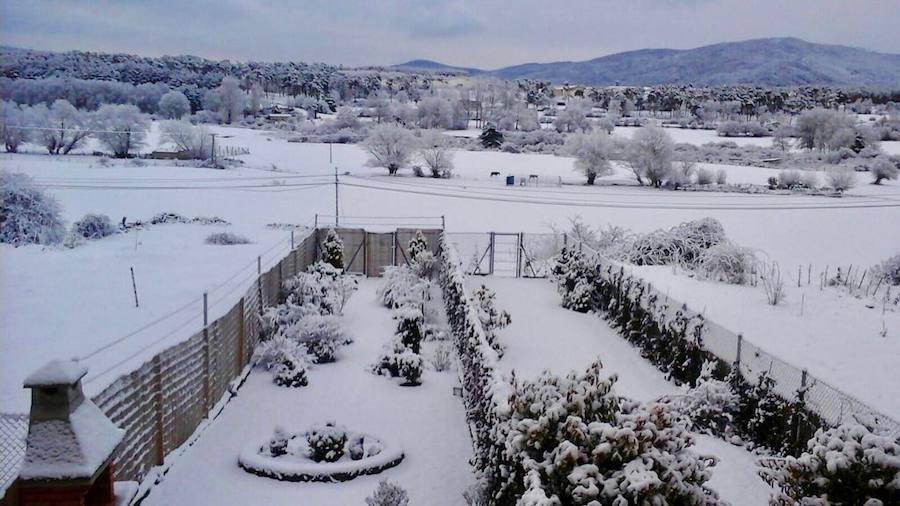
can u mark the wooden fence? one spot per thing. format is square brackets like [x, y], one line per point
[164, 401]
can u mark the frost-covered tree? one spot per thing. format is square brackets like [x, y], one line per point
[435, 155]
[121, 128]
[841, 178]
[194, 140]
[434, 112]
[650, 154]
[174, 105]
[254, 103]
[14, 129]
[63, 127]
[231, 100]
[846, 465]
[389, 146]
[592, 152]
[29, 215]
[346, 117]
[333, 249]
[574, 117]
[825, 129]
[388, 494]
[883, 168]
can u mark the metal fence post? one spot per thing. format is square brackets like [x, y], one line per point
[737, 357]
[259, 282]
[491, 257]
[520, 238]
[206, 399]
[158, 414]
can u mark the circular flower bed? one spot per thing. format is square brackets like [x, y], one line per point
[327, 453]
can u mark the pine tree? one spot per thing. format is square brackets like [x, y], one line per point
[333, 250]
[417, 245]
[491, 138]
[491, 318]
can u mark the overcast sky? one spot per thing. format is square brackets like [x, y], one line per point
[480, 33]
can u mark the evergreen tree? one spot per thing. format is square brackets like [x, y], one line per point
[333, 250]
[417, 245]
[491, 138]
[491, 318]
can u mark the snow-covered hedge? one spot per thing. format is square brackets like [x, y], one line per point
[673, 342]
[226, 239]
[28, 215]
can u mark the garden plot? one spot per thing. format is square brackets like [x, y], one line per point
[543, 335]
[427, 422]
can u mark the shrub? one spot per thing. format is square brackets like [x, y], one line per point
[321, 335]
[399, 361]
[226, 239]
[841, 179]
[278, 444]
[889, 270]
[849, 464]
[711, 405]
[883, 168]
[492, 319]
[442, 358]
[705, 176]
[772, 282]
[409, 326]
[333, 249]
[322, 287]
[810, 179]
[291, 372]
[167, 217]
[402, 286]
[93, 226]
[683, 243]
[411, 367]
[790, 179]
[326, 442]
[28, 215]
[721, 176]
[727, 262]
[388, 494]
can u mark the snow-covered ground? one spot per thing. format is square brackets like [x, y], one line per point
[544, 336]
[427, 421]
[58, 314]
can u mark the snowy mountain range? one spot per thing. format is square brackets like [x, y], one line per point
[764, 62]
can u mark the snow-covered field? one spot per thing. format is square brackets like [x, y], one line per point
[52, 296]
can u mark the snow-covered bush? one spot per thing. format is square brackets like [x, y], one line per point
[173, 105]
[401, 285]
[683, 243]
[399, 361]
[721, 176]
[650, 153]
[591, 152]
[845, 465]
[888, 270]
[727, 262]
[571, 440]
[326, 442]
[226, 239]
[574, 277]
[417, 245]
[321, 335]
[492, 319]
[28, 215]
[790, 179]
[63, 127]
[322, 286]
[278, 444]
[388, 494]
[94, 226]
[434, 154]
[409, 326]
[841, 178]
[883, 168]
[442, 358]
[711, 405]
[290, 372]
[193, 141]
[333, 249]
[12, 120]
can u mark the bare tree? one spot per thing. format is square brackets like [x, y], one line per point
[389, 146]
[650, 154]
[64, 127]
[187, 138]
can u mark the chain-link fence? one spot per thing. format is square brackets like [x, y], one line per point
[518, 255]
[13, 431]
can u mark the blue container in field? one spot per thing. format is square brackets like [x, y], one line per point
[510, 180]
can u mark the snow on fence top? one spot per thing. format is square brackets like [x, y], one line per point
[56, 372]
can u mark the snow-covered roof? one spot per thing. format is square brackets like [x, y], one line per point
[60, 449]
[56, 372]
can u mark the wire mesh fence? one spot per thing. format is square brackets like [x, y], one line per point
[13, 431]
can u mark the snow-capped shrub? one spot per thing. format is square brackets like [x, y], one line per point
[94, 226]
[721, 176]
[883, 168]
[442, 358]
[492, 319]
[28, 215]
[278, 443]
[321, 335]
[410, 366]
[388, 494]
[166, 217]
[571, 440]
[889, 270]
[711, 405]
[789, 179]
[398, 361]
[409, 326]
[417, 245]
[573, 276]
[326, 442]
[840, 178]
[226, 239]
[333, 249]
[727, 262]
[291, 372]
[683, 243]
[322, 286]
[401, 285]
[845, 465]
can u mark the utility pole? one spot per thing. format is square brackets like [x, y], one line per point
[213, 148]
[337, 213]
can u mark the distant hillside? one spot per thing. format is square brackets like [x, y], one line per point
[433, 66]
[763, 62]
